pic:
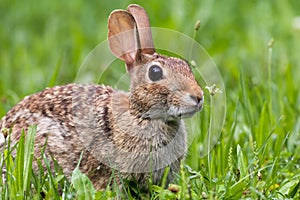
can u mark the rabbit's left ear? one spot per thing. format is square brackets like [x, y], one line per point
[144, 30]
[123, 37]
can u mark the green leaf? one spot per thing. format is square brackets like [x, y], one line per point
[290, 188]
[293, 190]
[28, 155]
[104, 195]
[18, 170]
[242, 162]
[82, 184]
[236, 190]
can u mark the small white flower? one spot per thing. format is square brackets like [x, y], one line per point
[193, 63]
[213, 90]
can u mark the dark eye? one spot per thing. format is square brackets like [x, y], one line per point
[155, 73]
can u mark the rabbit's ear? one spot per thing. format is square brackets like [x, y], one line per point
[123, 37]
[144, 30]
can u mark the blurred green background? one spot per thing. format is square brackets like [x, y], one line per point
[37, 37]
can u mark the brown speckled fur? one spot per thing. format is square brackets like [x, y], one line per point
[134, 132]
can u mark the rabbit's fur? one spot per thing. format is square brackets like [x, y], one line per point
[131, 133]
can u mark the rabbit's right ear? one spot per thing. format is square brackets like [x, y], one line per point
[123, 37]
[144, 30]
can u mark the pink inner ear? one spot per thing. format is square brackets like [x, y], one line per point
[124, 46]
[122, 36]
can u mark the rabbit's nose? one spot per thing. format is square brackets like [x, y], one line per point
[197, 98]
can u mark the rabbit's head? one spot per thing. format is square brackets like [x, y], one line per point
[161, 87]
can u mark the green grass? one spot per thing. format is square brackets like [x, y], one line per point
[43, 43]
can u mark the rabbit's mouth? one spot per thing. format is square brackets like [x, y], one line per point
[187, 108]
[188, 114]
[184, 112]
[173, 112]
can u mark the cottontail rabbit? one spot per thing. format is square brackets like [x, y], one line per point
[130, 133]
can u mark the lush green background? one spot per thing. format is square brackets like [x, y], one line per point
[43, 43]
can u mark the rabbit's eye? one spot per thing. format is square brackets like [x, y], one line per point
[155, 73]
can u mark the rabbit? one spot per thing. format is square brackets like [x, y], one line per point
[134, 135]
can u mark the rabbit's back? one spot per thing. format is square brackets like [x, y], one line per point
[61, 114]
[55, 106]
